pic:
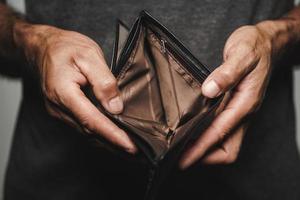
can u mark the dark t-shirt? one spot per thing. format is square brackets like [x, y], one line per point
[50, 160]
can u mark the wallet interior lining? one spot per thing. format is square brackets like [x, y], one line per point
[162, 99]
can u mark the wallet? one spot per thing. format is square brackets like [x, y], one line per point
[160, 83]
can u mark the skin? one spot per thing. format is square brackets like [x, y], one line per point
[68, 61]
[246, 68]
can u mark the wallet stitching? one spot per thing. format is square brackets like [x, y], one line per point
[180, 65]
[186, 71]
[130, 61]
[175, 92]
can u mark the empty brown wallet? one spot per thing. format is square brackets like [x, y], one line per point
[160, 84]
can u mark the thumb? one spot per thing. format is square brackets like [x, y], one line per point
[102, 81]
[225, 76]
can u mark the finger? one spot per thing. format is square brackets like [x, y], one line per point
[102, 81]
[228, 153]
[58, 113]
[92, 119]
[233, 114]
[236, 65]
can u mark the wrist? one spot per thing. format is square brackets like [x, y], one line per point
[28, 38]
[281, 33]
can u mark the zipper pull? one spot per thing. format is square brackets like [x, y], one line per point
[163, 46]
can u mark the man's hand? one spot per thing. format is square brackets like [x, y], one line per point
[245, 70]
[68, 61]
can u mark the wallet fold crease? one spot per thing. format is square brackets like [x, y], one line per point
[160, 83]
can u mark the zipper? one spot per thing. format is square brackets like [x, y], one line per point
[195, 70]
[160, 29]
[166, 45]
[163, 46]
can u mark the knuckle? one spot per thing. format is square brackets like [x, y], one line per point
[64, 96]
[57, 94]
[221, 136]
[230, 51]
[221, 132]
[252, 55]
[268, 47]
[228, 76]
[230, 158]
[108, 84]
[84, 53]
[49, 91]
[250, 59]
[86, 123]
[246, 46]
[88, 52]
[53, 47]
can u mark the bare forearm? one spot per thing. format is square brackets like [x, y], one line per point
[283, 32]
[19, 39]
[11, 57]
[8, 20]
[246, 67]
[18, 42]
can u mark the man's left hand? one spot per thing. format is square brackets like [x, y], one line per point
[245, 70]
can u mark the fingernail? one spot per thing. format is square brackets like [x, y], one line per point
[115, 105]
[132, 149]
[184, 164]
[211, 89]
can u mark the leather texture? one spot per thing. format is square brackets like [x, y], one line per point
[162, 97]
[160, 83]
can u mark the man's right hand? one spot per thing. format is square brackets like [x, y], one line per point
[68, 61]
